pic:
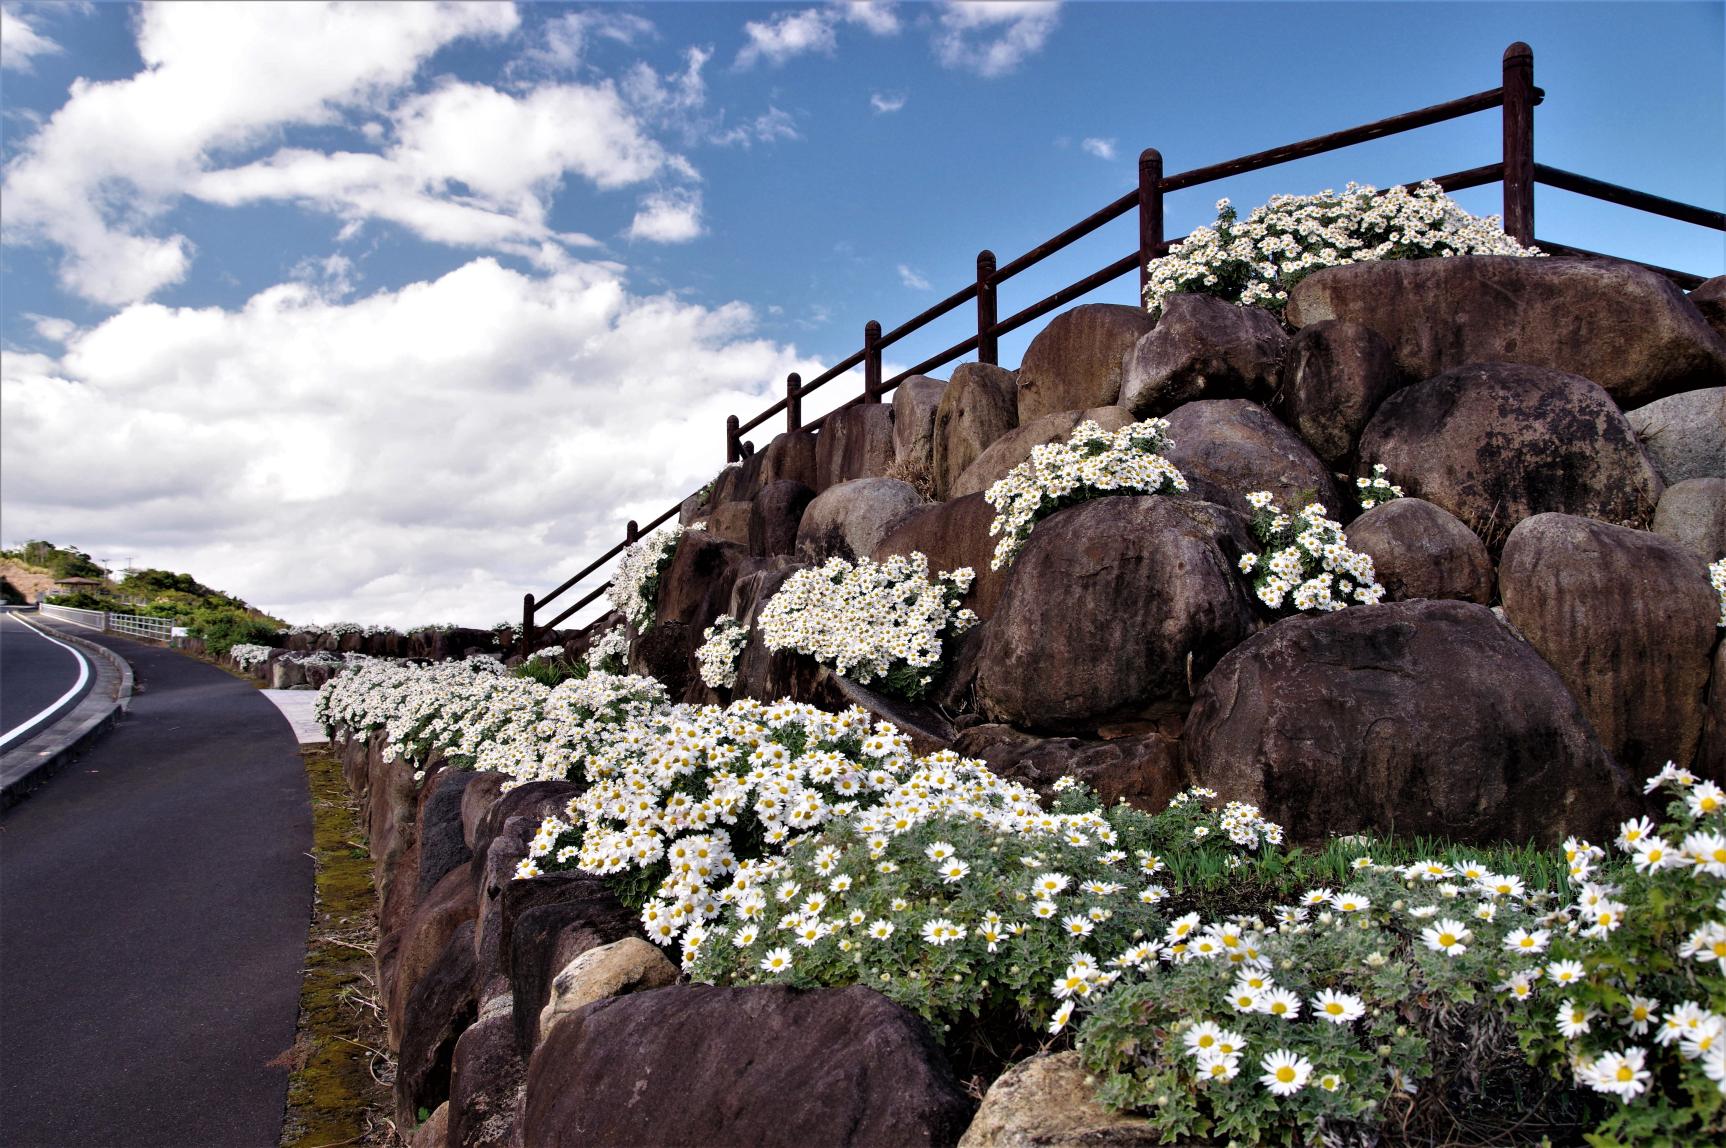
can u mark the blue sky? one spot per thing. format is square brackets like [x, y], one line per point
[394, 312]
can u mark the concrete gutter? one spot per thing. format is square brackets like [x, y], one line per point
[27, 766]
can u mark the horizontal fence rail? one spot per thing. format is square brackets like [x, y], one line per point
[91, 619]
[138, 626]
[1516, 98]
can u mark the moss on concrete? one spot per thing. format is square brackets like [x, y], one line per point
[338, 1092]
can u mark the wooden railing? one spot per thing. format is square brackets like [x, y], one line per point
[1515, 169]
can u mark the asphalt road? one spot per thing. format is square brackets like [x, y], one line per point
[154, 900]
[34, 675]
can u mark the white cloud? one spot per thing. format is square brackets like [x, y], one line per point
[791, 34]
[787, 35]
[20, 44]
[993, 37]
[879, 18]
[771, 125]
[566, 38]
[216, 78]
[912, 279]
[885, 103]
[1102, 149]
[668, 217]
[422, 454]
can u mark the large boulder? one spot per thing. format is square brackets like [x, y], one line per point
[1494, 443]
[1419, 550]
[1238, 447]
[1692, 513]
[1623, 326]
[693, 590]
[1050, 1101]
[1075, 362]
[1711, 750]
[1142, 769]
[1709, 299]
[914, 405]
[1333, 378]
[626, 966]
[980, 405]
[432, 1020]
[1016, 445]
[1203, 348]
[1411, 718]
[547, 922]
[1684, 434]
[759, 1067]
[847, 520]
[854, 443]
[775, 516]
[790, 456]
[952, 534]
[1627, 619]
[737, 482]
[729, 522]
[485, 1082]
[405, 955]
[1113, 610]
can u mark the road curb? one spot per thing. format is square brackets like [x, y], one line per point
[26, 767]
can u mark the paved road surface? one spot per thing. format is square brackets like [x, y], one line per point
[35, 674]
[154, 900]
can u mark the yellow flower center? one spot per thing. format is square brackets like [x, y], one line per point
[1285, 1074]
[1624, 1072]
[1333, 1008]
[1447, 939]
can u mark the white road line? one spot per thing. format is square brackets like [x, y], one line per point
[17, 732]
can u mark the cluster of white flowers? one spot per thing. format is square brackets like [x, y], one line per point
[870, 621]
[1377, 489]
[247, 654]
[1257, 261]
[339, 630]
[1092, 463]
[546, 654]
[611, 646]
[635, 582]
[480, 717]
[1717, 576]
[1307, 561]
[717, 657]
[684, 788]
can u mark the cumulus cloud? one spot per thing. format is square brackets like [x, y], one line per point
[912, 278]
[428, 453]
[216, 78]
[791, 34]
[885, 103]
[1102, 149]
[993, 37]
[786, 36]
[20, 43]
[668, 217]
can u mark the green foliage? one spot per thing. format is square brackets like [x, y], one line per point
[551, 671]
[223, 627]
[60, 561]
[80, 600]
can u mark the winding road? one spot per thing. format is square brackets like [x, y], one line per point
[40, 680]
[154, 900]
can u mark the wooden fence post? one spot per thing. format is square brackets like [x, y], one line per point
[871, 362]
[733, 450]
[988, 350]
[1150, 214]
[526, 624]
[793, 401]
[1519, 142]
[632, 533]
